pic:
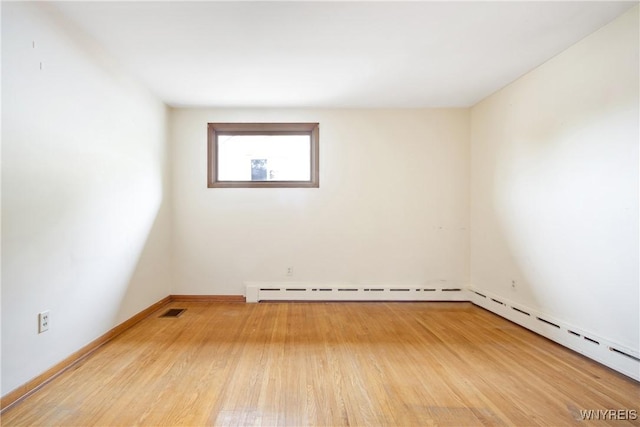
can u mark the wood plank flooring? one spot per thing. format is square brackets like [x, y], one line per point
[326, 364]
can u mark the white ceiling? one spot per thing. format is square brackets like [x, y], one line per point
[334, 54]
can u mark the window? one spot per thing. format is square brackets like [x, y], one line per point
[257, 155]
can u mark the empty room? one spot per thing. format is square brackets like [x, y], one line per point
[320, 213]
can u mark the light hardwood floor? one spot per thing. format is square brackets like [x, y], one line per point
[368, 364]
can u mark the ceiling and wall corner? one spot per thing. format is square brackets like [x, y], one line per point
[335, 54]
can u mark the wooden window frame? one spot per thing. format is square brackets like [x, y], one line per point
[215, 129]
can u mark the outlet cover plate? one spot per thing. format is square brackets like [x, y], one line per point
[43, 321]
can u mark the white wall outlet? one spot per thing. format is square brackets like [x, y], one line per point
[513, 284]
[289, 271]
[43, 321]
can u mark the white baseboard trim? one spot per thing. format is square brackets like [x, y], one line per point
[305, 291]
[598, 348]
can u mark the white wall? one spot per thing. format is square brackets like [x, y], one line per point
[554, 173]
[392, 206]
[85, 221]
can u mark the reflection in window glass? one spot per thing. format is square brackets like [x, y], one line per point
[264, 157]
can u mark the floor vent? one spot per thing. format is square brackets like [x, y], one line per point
[174, 312]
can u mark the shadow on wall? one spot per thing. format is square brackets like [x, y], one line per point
[84, 203]
[95, 251]
[150, 279]
[564, 215]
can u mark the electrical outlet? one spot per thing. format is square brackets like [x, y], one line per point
[289, 271]
[513, 284]
[43, 321]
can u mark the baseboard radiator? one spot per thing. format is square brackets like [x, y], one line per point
[290, 291]
[614, 355]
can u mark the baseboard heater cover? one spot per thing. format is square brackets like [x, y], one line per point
[598, 348]
[614, 355]
[274, 291]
